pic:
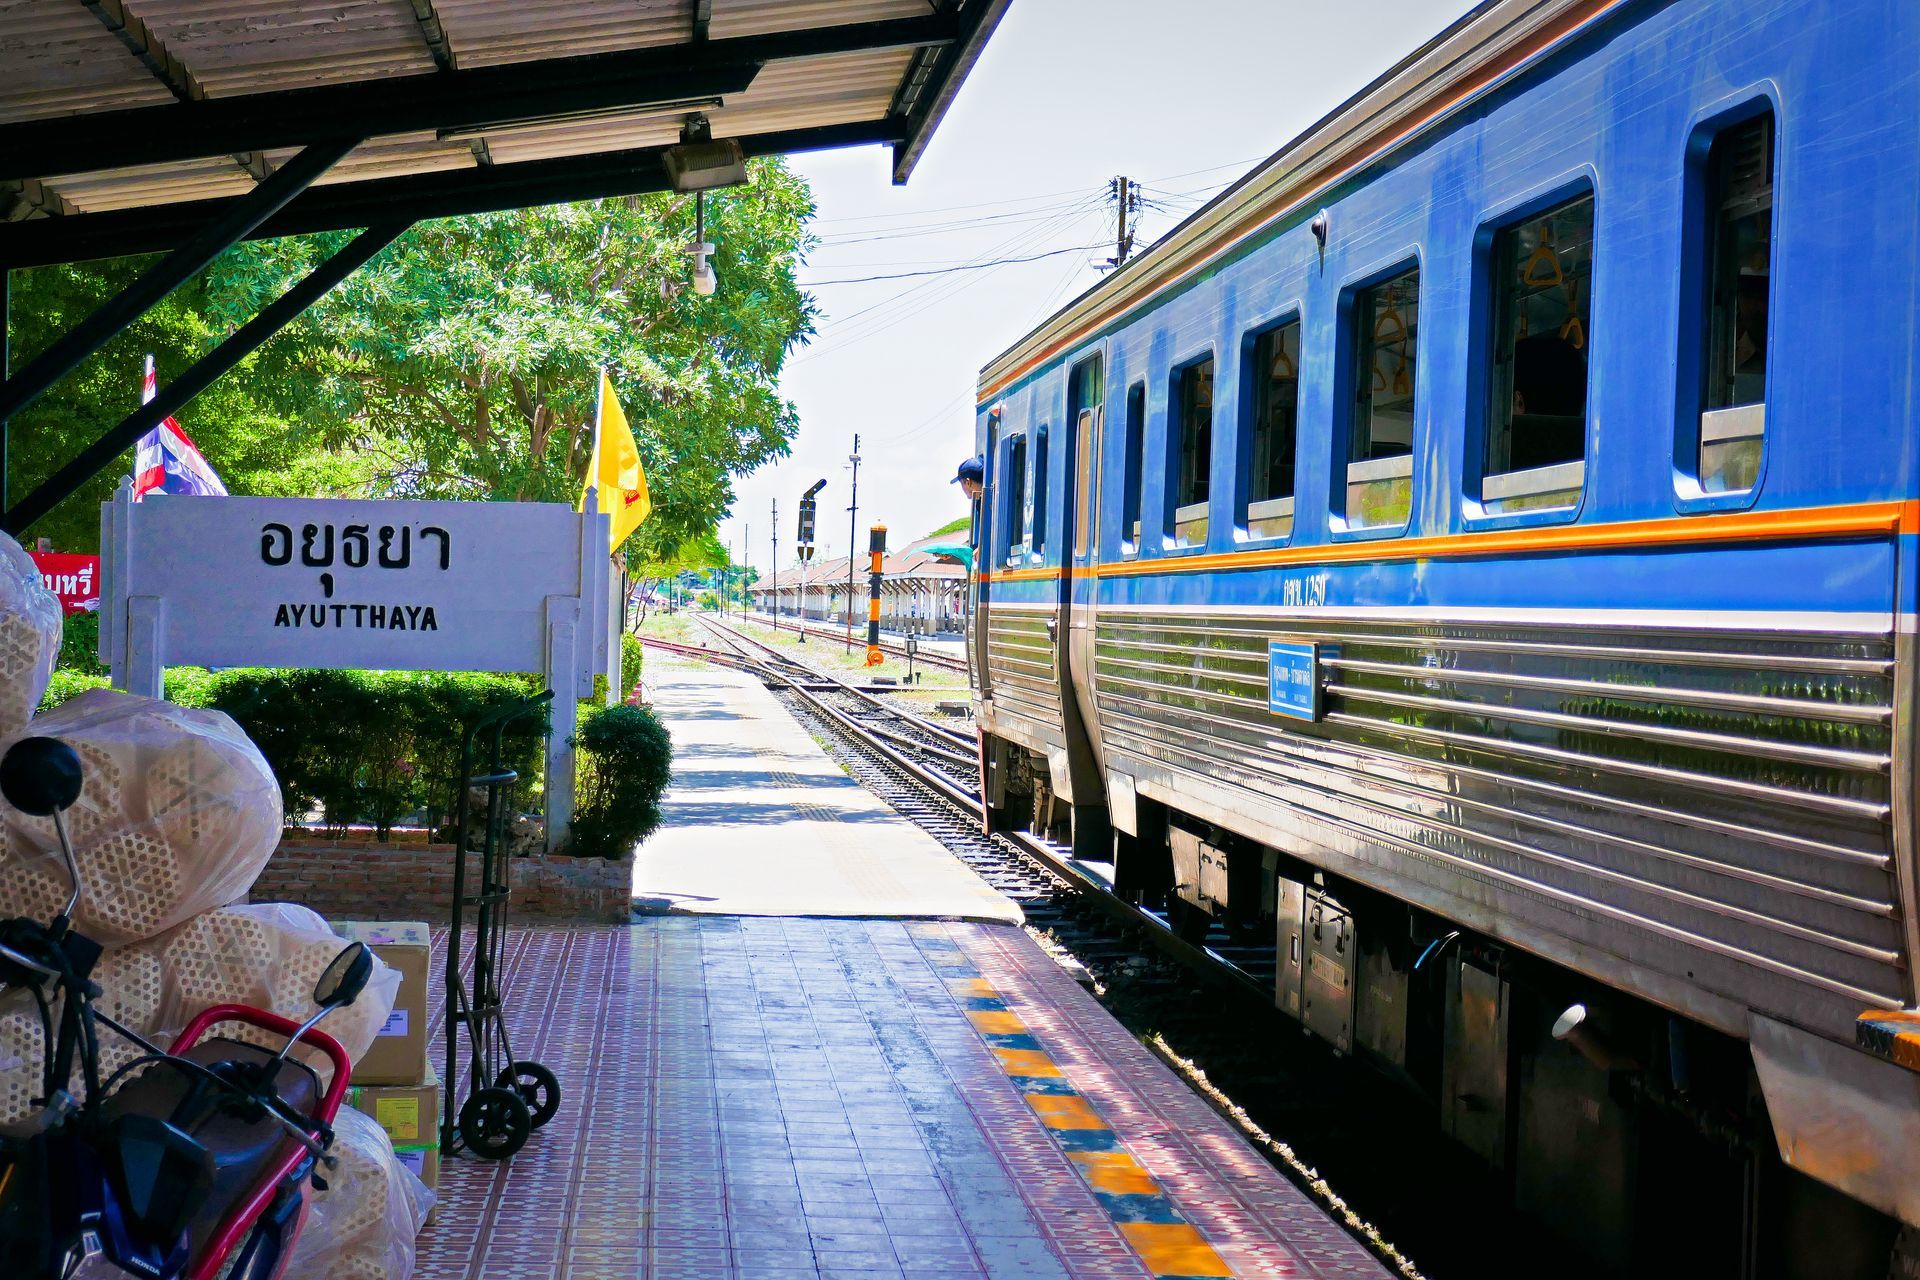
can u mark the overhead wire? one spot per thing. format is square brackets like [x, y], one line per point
[938, 285]
[936, 289]
[888, 313]
[949, 270]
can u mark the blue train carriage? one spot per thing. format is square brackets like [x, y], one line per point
[1477, 553]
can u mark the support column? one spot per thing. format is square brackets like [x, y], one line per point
[145, 672]
[6, 368]
[563, 637]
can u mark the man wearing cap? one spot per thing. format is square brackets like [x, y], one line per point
[971, 477]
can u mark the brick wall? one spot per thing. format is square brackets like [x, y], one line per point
[363, 879]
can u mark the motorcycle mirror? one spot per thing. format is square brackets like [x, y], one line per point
[345, 977]
[40, 776]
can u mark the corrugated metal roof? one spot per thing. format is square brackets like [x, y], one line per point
[82, 79]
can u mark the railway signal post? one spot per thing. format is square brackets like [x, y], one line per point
[877, 548]
[804, 543]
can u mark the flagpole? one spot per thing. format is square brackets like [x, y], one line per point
[599, 412]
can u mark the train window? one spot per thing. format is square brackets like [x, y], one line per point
[1038, 533]
[1135, 467]
[1193, 451]
[1274, 404]
[1537, 388]
[1733, 409]
[1083, 430]
[1016, 497]
[1085, 405]
[1386, 321]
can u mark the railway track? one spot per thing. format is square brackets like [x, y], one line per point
[926, 657]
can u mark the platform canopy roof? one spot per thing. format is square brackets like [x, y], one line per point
[127, 125]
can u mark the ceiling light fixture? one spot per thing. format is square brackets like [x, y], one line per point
[699, 163]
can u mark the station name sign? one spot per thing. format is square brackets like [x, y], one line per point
[376, 584]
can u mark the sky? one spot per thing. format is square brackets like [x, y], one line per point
[1183, 96]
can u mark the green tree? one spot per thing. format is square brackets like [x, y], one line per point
[464, 361]
[693, 555]
[254, 446]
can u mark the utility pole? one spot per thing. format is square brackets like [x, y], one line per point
[853, 528]
[1125, 194]
[776, 564]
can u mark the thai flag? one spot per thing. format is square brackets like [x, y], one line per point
[166, 460]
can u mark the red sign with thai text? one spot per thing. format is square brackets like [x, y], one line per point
[74, 579]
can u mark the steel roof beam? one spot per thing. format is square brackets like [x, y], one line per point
[232, 222]
[433, 33]
[417, 198]
[174, 396]
[935, 79]
[461, 99]
[26, 198]
[152, 53]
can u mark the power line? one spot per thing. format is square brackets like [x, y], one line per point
[943, 289]
[953, 208]
[942, 271]
[1014, 218]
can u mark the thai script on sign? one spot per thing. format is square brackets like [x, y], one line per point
[73, 579]
[357, 545]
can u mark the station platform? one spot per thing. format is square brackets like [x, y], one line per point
[783, 1099]
[842, 1093]
[759, 821]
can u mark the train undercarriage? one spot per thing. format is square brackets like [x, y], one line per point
[1636, 1141]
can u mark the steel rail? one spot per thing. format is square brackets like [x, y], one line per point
[932, 658]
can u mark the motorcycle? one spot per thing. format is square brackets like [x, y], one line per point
[184, 1163]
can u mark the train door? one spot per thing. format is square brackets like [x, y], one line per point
[1086, 394]
[985, 536]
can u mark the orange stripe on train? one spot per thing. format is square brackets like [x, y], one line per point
[1864, 519]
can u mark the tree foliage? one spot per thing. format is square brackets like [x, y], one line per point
[464, 361]
[257, 446]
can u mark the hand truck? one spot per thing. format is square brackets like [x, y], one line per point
[505, 1099]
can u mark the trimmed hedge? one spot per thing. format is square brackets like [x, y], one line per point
[377, 746]
[360, 746]
[625, 762]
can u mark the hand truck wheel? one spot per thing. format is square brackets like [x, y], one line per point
[536, 1085]
[495, 1123]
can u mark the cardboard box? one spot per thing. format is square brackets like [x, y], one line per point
[399, 1053]
[410, 1114]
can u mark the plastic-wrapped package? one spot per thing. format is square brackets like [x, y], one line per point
[178, 814]
[130, 984]
[362, 1227]
[29, 636]
[268, 955]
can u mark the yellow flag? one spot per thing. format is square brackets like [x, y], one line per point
[616, 470]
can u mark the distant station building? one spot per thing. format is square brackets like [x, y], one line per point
[921, 590]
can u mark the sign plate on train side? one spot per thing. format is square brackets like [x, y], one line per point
[1293, 679]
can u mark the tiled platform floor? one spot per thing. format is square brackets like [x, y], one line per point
[788, 1098]
[760, 822]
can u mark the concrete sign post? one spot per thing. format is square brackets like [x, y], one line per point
[369, 584]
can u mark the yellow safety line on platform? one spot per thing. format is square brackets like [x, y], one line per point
[1139, 1205]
